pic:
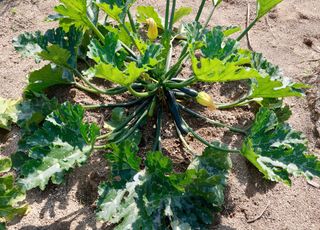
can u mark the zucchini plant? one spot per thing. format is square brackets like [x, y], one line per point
[143, 54]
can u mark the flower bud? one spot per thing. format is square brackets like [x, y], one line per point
[152, 30]
[206, 100]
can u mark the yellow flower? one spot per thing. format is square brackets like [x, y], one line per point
[152, 30]
[206, 100]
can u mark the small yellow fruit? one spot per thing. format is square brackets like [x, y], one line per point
[152, 30]
[206, 100]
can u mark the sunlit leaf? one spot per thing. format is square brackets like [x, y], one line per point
[277, 150]
[113, 74]
[8, 113]
[264, 6]
[63, 142]
[146, 12]
[180, 13]
[157, 197]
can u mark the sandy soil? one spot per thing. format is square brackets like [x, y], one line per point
[289, 37]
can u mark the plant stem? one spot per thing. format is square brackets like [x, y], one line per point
[126, 121]
[86, 89]
[136, 125]
[157, 143]
[240, 102]
[112, 91]
[141, 94]
[247, 29]
[210, 16]
[96, 31]
[184, 142]
[200, 10]
[173, 9]
[202, 140]
[127, 104]
[210, 121]
[177, 85]
[166, 23]
[131, 22]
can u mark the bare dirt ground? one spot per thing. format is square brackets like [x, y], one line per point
[288, 37]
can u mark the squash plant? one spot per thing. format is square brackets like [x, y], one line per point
[104, 39]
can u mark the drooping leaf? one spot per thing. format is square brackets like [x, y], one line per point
[8, 113]
[158, 198]
[10, 195]
[180, 13]
[215, 70]
[145, 12]
[271, 83]
[113, 74]
[264, 6]
[48, 76]
[277, 150]
[61, 144]
[74, 13]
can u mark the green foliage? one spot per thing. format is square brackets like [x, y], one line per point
[62, 143]
[8, 113]
[139, 54]
[277, 150]
[145, 12]
[264, 6]
[11, 195]
[113, 74]
[157, 197]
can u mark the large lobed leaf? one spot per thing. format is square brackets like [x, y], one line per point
[10, 195]
[271, 83]
[159, 198]
[62, 143]
[8, 113]
[277, 150]
[113, 74]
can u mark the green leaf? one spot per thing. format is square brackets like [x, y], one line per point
[8, 113]
[62, 143]
[10, 195]
[56, 54]
[145, 12]
[277, 150]
[32, 111]
[5, 164]
[180, 13]
[113, 74]
[113, 11]
[271, 83]
[158, 198]
[264, 6]
[74, 13]
[48, 76]
[111, 52]
[216, 47]
[30, 44]
[215, 70]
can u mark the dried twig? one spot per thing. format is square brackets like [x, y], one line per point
[259, 216]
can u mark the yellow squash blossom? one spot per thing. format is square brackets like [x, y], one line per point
[152, 30]
[206, 100]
